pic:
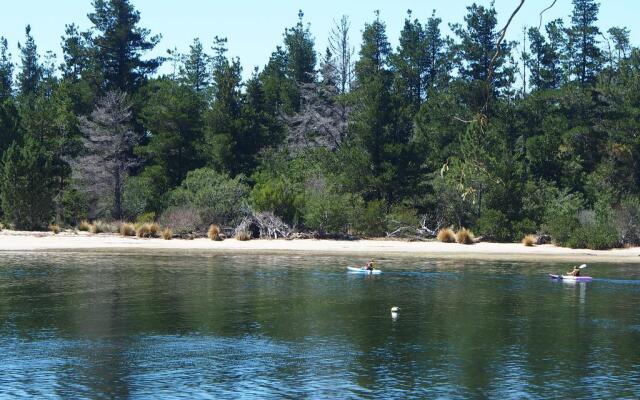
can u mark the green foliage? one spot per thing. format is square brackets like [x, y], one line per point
[217, 197]
[494, 225]
[26, 187]
[138, 196]
[74, 206]
[370, 219]
[327, 211]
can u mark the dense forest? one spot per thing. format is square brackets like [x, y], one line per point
[362, 139]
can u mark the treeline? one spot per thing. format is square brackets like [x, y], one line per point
[539, 136]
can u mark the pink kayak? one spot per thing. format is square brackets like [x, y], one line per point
[571, 278]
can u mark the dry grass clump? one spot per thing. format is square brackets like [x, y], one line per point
[214, 232]
[167, 234]
[84, 225]
[464, 236]
[127, 229]
[96, 227]
[54, 228]
[148, 230]
[446, 235]
[143, 231]
[243, 235]
[154, 229]
[529, 240]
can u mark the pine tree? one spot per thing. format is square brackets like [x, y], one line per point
[583, 41]
[119, 45]
[410, 63]
[301, 60]
[25, 186]
[30, 73]
[6, 71]
[436, 61]
[477, 46]
[194, 72]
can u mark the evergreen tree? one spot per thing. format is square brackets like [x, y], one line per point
[119, 45]
[410, 63]
[223, 120]
[437, 68]
[545, 61]
[477, 47]
[301, 60]
[25, 186]
[6, 71]
[583, 41]
[30, 72]
[194, 72]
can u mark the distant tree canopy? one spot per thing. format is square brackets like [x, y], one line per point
[366, 137]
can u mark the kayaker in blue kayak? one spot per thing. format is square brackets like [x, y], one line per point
[369, 266]
[575, 272]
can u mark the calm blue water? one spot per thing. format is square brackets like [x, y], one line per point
[246, 326]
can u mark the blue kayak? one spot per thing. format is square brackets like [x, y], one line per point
[362, 270]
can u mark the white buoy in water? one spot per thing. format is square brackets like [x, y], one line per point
[395, 309]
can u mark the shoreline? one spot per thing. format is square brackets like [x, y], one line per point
[20, 241]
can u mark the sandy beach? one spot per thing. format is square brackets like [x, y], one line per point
[17, 241]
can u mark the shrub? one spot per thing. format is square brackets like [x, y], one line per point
[370, 219]
[327, 211]
[214, 232]
[446, 235]
[216, 197]
[127, 229]
[627, 221]
[167, 234]
[464, 236]
[594, 236]
[100, 226]
[146, 218]
[74, 207]
[561, 216]
[494, 225]
[182, 220]
[402, 216]
[529, 240]
[243, 235]
[84, 225]
[54, 228]
[1, 226]
[95, 228]
[138, 195]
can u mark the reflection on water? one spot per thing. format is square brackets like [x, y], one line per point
[297, 326]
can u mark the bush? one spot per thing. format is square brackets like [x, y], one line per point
[594, 236]
[167, 234]
[327, 211]
[137, 196]
[627, 221]
[495, 226]
[370, 219]
[84, 225]
[74, 207]
[100, 226]
[182, 220]
[127, 229]
[146, 218]
[561, 216]
[402, 216]
[214, 232]
[464, 236]
[54, 228]
[446, 235]
[529, 240]
[217, 197]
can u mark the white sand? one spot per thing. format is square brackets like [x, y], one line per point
[15, 241]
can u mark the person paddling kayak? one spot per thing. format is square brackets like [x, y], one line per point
[574, 272]
[369, 266]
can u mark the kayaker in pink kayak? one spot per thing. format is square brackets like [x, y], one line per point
[575, 272]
